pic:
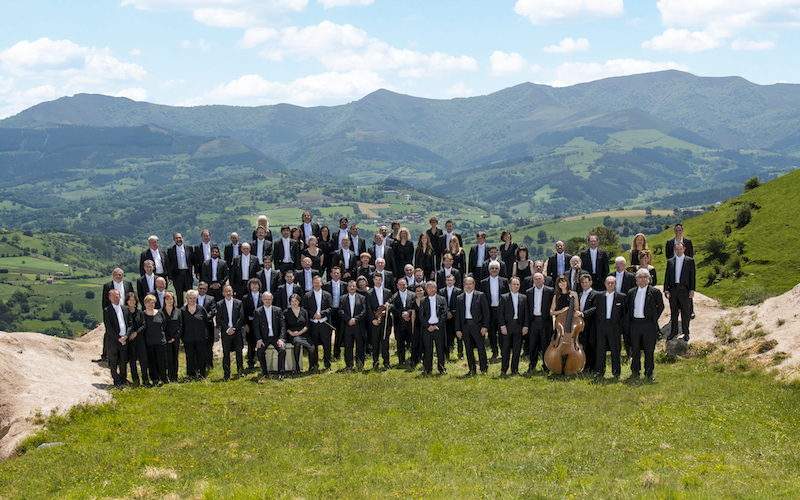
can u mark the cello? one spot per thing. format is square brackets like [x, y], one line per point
[565, 354]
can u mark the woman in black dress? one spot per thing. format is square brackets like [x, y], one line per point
[425, 256]
[326, 245]
[403, 250]
[508, 251]
[435, 238]
[364, 269]
[639, 243]
[296, 319]
[296, 235]
[561, 298]
[459, 255]
[317, 256]
[522, 264]
[645, 258]
[137, 351]
[416, 333]
[173, 332]
[153, 330]
[195, 333]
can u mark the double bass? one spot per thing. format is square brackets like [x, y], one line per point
[565, 354]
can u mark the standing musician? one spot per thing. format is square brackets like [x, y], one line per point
[472, 324]
[378, 299]
[610, 321]
[540, 325]
[513, 322]
[645, 305]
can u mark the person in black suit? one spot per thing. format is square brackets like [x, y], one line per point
[286, 251]
[512, 319]
[402, 305]
[669, 248]
[538, 267]
[338, 289]
[261, 246]
[588, 337]
[352, 311]
[558, 263]
[214, 272]
[447, 270]
[493, 287]
[448, 233]
[297, 329]
[116, 320]
[243, 268]
[450, 292]
[117, 282]
[308, 228]
[285, 291]
[387, 276]
[233, 249]
[610, 321]
[433, 315]
[230, 318]
[270, 278]
[594, 260]
[472, 324]
[270, 330]
[319, 303]
[379, 296]
[540, 324]
[180, 259]
[345, 260]
[305, 275]
[574, 273]
[382, 250]
[403, 250]
[262, 221]
[147, 282]
[625, 281]
[201, 252]
[158, 256]
[679, 284]
[477, 256]
[340, 233]
[493, 257]
[645, 305]
[357, 243]
[251, 302]
[209, 303]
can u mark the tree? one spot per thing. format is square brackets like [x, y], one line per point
[68, 306]
[648, 211]
[751, 184]
[743, 216]
[574, 245]
[715, 246]
[541, 237]
[89, 294]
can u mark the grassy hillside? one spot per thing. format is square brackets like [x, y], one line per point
[740, 260]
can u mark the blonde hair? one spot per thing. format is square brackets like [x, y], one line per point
[263, 222]
[191, 293]
[149, 299]
[404, 230]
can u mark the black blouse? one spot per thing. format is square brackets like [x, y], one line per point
[403, 254]
[174, 328]
[295, 323]
[154, 328]
[508, 256]
[195, 326]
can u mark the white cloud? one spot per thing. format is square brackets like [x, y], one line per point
[201, 44]
[135, 52]
[507, 64]
[14, 102]
[136, 94]
[552, 11]
[740, 44]
[255, 36]
[459, 90]
[191, 5]
[307, 90]
[572, 73]
[225, 18]
[568, 45]
[186, 44]
[683, 40]
[172, 83]
[6, 85]
[343, 3]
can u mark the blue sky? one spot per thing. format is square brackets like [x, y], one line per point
[328, 52]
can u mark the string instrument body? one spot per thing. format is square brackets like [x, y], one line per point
[565, 355]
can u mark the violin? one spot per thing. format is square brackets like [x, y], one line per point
[565, 355]
[381, 312]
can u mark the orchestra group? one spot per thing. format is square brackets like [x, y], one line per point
[310, 289]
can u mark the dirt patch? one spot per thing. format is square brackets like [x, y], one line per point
[617, 213]
[366, 208]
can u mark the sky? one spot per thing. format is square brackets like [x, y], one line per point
[330, 52]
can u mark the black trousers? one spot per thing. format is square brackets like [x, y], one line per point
[210, 345]
[321, 335]
[450, 329]
[173, 350]
[493, 331]
[679, 303]
[353, 336]
[336, 321]
[195, 358]
[379, 337]
[182, 282]
[117, 361]
[511, 346]
[429, 340]
[262, 355]
[137, 352]
[643, 338]
[473, 339]
[157, 362]
[250, 337]
[304, 342]
[402, 336]
[232, 343]
[285, 266]
[539, 333]
[588, 339]
[416, 344]
[608, 339]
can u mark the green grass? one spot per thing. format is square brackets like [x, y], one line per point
[696, 433]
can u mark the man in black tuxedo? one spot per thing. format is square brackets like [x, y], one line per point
[270, 330]
[688, 248]
[319, 303]
[477, 256]
[116, 320]
[645, 305]
[158, 256]
[352, 311]
[594, 260]
[538, 267]
[346, 260]
[610, 321]
[433, 315]
[180, 259]
[117, 282]
[493, 287]
[270, 278]
[340, 234]
[161, 289]
[558, 263]
[492, 257]
[214, 272]
[402, 305]
[472, 324]
[381, 250]
[540, 324]
[448, 233]
[625, 280]
[338, 289]
[243, 268]
[308, 228]
[305, 275]
[230, 318]
[251, 302]
[376, 297]
[450, 292]
[357, 243]
[587, 297]
[679, 284]
[233, 249]
[286, 251]
[201, 252]
[447, 270]
[285, 291]
[574, 273]
[261, 246]
[512, 318]
[146, 284]
[386, 275]
[209, 303]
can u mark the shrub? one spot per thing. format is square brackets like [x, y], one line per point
[751, 184]
[752, 295]
[743, 216]
[715, 246]
[89, 294]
